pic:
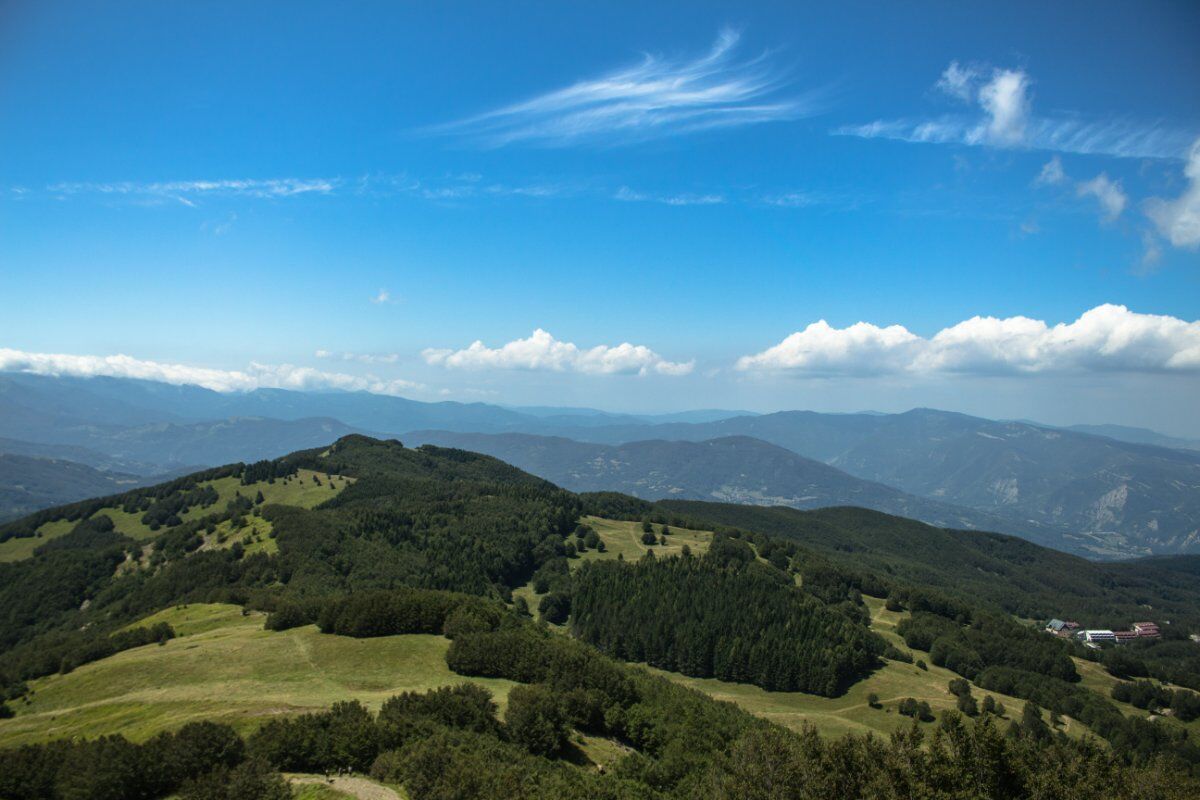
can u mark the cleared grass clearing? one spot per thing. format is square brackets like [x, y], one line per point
[1097, 678]
[194, 618]
[600, 751]
[18, 549]
[624, 540]
[851, 712]
[228, 669]
[254, 536]
[317, 791]
[316, 787]
[299, 490]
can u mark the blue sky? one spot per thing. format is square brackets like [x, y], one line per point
[350, 195]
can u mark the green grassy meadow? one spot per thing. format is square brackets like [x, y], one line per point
[1096, 678]
[223, 666]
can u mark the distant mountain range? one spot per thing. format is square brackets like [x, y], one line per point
[1104, 494]
[1118, 498]
[28, 484]
[1124, 433]
[733, 469]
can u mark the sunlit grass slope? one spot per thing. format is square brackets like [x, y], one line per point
[851, 713]
[225, 667]
[299, 490]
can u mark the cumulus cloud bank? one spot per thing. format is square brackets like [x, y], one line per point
[257, 376]
[541, 351]
[1108, 338]
[1001, 115]
[657, 97]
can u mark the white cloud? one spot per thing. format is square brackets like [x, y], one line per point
[257, 376]
[790, 200]
[1151, 253]
[1107, 338]
[1108, 192]
[958, 81]
[1005, 102]
[628, 195]
[1004, 118]
[541, 351]
[361, 358]
[1179, 219]
[1052, 173]
[657, 97]
[382, 297]
[862, 348]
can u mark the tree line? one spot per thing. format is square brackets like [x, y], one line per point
[733, 620]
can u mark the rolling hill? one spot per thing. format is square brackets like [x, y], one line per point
[1006, 571]
[254, 596]
[1125, 433]
[28, 484]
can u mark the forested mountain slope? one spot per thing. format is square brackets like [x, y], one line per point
[1006, 571]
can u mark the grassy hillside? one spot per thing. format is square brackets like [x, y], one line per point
[893, 682]
[851, 713]
[300, 490]
[224, 667]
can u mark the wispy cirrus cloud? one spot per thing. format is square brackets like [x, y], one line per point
[655, 98]
[187, 191]
[541, 351]
[1108, 338]
[361, 358]
[628, 195]
[1000, 114]
[448, 190]
[256, 376]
